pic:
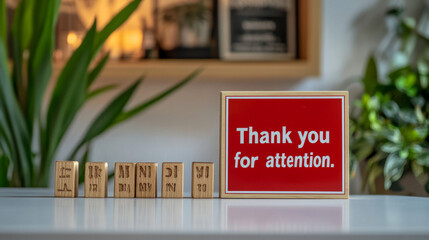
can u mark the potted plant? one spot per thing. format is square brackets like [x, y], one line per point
[29, 137]
[389, 125]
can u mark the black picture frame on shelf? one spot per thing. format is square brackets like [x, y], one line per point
[257, 30]
[186, 29]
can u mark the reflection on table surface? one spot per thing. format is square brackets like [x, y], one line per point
[202, 214]
[358, 214]
[293, 216]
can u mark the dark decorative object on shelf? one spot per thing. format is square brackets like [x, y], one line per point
[186, 30]
[258, 30]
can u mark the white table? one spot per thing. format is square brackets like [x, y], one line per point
[35, 214]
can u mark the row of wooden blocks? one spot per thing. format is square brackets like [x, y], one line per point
[133, 179]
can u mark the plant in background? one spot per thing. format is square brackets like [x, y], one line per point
[29, 137]
[192, 20]
[389, 128]
[187, 14]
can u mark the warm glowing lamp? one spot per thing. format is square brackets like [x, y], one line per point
[132, 41]
[73, 40]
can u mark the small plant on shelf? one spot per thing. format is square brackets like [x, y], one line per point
[29, 137]
[390, 124]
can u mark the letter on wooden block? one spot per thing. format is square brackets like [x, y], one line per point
[202, 179]
[146, 180]
[172, 180]
[125, 180]
[96, 179]
[66, 178]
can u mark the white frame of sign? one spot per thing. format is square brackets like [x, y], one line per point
[223, 143]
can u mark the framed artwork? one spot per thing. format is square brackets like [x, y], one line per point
[257, 30]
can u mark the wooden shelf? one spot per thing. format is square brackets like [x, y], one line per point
[212, 69]
[307, 65]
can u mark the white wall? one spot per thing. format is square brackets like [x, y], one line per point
[185, 127]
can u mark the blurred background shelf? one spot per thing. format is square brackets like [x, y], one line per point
[307, 63]
[212, 69]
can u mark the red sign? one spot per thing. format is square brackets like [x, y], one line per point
[284, 144]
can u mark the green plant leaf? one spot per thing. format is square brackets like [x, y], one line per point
[107, 117]
[374, 121]
[408, 37]
[393, 169]
[408, 116]
[423, 159]
[363, 148]
[418, 101]
[33, 27]
[102, 36]
[390, 147]
[67, 98]
[416, 148]
[392, 134]
[14, 122]
[111, 174]
[17, 50]
[399, 60]
[71, 89]
[22, 25]
[421, 132]
[40, 60]
[69, 92]
[43, 141]
[104, 120]
[404, 153]
[92, 75]
[353, 165]
[409, 134]
[390, 109]
[3, 22]
[417, 169]
[82, 164]
[373, 175]
[423, 69]
[4, 167]
[395, 11]
[22, 28]
[139, 108]
[6, 136]
[407, 84]
[100, 90]
[370, 79]
[372, 171]
[419, 114]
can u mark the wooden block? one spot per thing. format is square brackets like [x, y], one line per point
[172, 180]
[146, 180]
[125, 180]
[96, 179]
[202, 179]
[66, 178]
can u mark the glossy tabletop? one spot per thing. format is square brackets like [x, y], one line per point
[36, 214]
